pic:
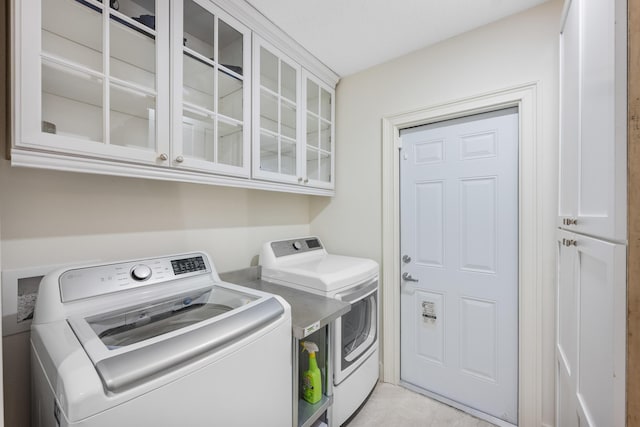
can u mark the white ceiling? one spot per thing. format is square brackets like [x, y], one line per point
[352, 35]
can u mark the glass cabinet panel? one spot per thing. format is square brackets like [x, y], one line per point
[80, 43]
[132, 117]
[319, 131]
[230, 146]
[197, 135]
[230, 47]
[95, 89]
[288, 119]
[67, 95]
[277, 116]
[268, 70]
[213, 85]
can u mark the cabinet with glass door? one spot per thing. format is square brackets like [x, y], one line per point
[276, 101]
[319, 132]
[293, 121]
[93, 78]
[97, 83]
[212, 100]
[159, 89]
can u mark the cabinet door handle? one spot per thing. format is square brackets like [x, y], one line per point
[569, 242]
[163, 157]
[299, 179]
[179, 159]
[306, 180]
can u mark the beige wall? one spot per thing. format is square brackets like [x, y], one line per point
[513, 51]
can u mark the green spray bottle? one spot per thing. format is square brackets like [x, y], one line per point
[311, 379]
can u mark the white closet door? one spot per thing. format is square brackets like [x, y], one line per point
[590, 345]
[593, 130]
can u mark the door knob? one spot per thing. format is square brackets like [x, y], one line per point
[406, 259]
[179, 159]
[406, 276]
[163, 156]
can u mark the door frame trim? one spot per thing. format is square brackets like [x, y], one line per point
[530, 207]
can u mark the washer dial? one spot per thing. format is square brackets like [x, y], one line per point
[140, 272]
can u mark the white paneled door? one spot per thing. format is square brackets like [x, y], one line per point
[590, 335]
[459, 240]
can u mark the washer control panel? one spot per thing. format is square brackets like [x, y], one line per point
[87, 282]
[295, 246]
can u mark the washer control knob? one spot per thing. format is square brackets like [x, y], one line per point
[297, 245]
[140, 272]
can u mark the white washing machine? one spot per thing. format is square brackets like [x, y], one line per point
[158, 342]
[304, 264]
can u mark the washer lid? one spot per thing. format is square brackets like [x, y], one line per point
[129, 347]
[325, 273]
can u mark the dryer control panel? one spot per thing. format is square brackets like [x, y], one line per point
[296, 246]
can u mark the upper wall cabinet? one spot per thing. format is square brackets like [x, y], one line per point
[293, 121]
[94, 78]
[160, 89]
[276, 104]
[211, 63]
[593, 119]
[319, 132]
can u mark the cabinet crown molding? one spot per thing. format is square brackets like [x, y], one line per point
[273, 34]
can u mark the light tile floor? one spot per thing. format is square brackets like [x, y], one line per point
[394, 406]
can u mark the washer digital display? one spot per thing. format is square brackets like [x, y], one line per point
[188, 265]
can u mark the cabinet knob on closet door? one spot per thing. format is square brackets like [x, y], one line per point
[179, 159]
[299, 179]
[306, 180]
[569, 242]
[163, 156]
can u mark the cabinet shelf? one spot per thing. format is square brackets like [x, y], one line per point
[210, 114]
[65, 80]
[233, 71]
[143, 24]
[308, 413]
[132, 52]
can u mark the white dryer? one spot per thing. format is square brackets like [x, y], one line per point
[158, 342]
[304, 264]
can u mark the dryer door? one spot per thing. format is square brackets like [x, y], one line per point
[356, 333]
